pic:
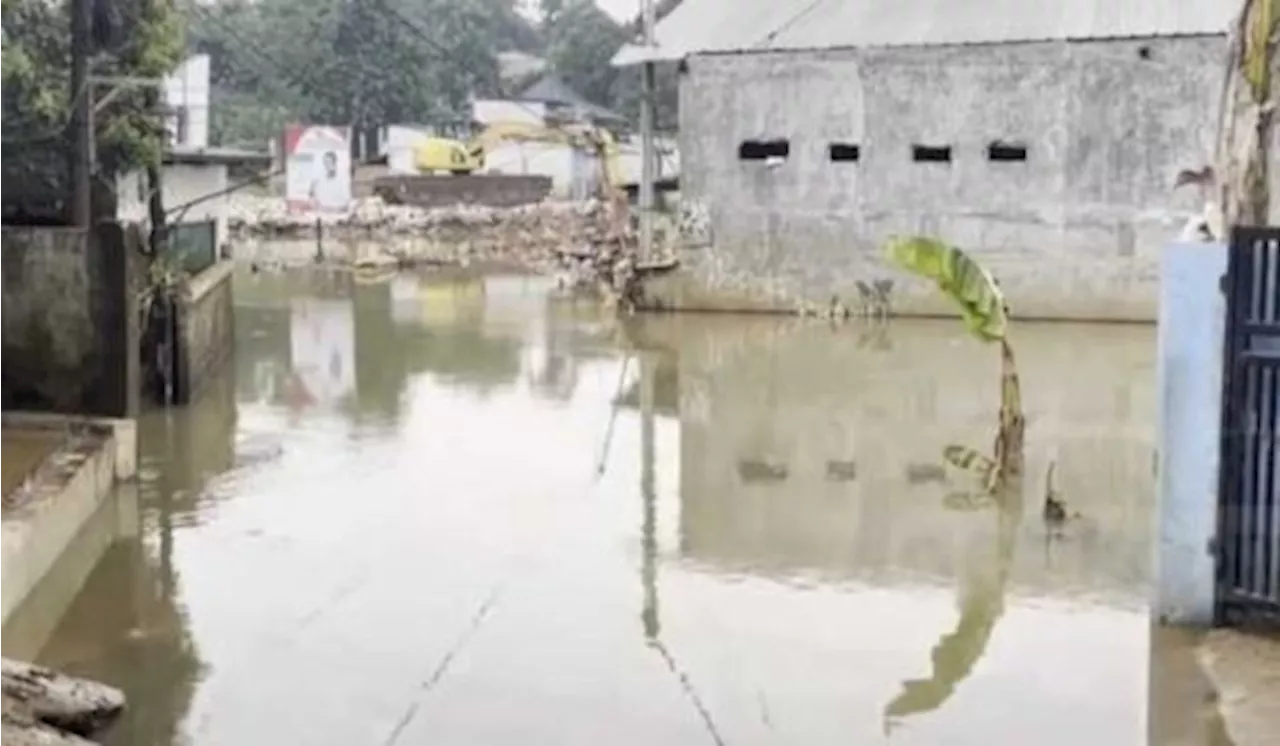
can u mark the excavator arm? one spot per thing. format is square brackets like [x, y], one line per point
[594, 140]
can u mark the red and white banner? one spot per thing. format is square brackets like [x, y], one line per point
[317, 168]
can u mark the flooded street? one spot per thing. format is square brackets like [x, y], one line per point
[433, 510]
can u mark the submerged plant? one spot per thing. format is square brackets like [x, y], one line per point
[986, 315]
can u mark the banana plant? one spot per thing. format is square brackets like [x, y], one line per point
[982, 306]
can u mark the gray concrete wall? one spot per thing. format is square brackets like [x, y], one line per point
[1072, 232]
[70, 321]
[206, 330]
[64, 492]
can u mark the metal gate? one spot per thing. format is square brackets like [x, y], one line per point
[1249, 471]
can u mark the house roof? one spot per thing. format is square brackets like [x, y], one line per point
[708, 26]
[216, 155]
[551, 88]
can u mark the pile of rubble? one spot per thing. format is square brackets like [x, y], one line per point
[588, 244]
[374, 232]
[553, 236]
[269, 217]
[46, 708]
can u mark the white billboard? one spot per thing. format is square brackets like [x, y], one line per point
[317, 168]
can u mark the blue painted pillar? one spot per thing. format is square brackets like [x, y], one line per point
[1189, 359]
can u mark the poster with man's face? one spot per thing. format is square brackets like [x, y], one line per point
[317, 168]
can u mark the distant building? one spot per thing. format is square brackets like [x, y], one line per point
[186, 94]
[195, 196]
[1044, 136]
[547, 98]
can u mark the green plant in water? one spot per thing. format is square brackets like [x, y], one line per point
[986, 315]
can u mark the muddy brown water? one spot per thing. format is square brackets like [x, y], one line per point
[458, 510]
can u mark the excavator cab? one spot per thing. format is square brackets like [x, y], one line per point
[442, 155]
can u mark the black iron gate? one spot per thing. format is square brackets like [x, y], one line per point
[1249, 471]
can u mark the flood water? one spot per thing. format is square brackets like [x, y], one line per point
[458, 510]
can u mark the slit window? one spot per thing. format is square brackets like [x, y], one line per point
[760, 150]
[931, 153]
[1006, 152]
[843, 152]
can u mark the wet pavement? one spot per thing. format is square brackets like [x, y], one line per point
[434, 510]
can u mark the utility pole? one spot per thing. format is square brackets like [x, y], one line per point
[647, 154]
[81, 150]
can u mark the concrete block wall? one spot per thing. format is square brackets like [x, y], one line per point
[1074, 231]
[206, 331]
[70, 321]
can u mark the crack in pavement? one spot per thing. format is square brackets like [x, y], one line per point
[689, 691]
[442, 667]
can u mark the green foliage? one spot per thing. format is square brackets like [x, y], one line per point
[580, 41]
[37, 97]
[354, 62]
[375, 62]
[960, 277]
[35, 65]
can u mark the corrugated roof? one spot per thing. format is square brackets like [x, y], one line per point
[551, 88]
[745, 25]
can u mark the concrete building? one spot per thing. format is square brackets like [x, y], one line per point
[1043, 136]
[195, 183]
[547, 98]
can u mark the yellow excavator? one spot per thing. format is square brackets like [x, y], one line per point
[446, 155]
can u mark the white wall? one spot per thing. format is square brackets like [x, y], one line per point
[182, 184]
[187, 88]
[491, 111]
[574, 173]
[400, 143]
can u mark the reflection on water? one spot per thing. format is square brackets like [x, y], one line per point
[453, 509]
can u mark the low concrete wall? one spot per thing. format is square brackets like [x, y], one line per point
[33, 622]
[206, 331]
[761, 278]
[65, 491]
[477, 189]
[71, 324]
[1192, 313]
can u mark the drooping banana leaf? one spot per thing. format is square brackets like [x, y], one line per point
[965, 281]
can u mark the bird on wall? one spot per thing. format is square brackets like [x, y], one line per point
[1207, 225]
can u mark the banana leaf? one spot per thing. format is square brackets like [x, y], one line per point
[958, 275]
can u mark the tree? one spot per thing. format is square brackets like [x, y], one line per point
[350, 62]
[1246, 125]
[131, 37]
[581, 40]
